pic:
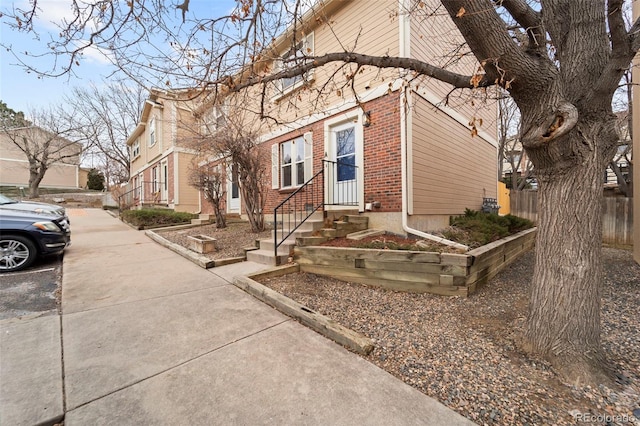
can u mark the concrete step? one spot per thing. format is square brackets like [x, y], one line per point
[284, 248]
[305, 230]
[329, 232]
[358, 219]
[267, 257]
[201, 221]
[311, 241]
[359, 235]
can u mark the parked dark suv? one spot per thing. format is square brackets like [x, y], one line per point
[26, 235]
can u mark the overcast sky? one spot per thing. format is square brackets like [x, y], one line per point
[22, 91]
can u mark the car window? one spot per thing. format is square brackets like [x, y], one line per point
[6, 200]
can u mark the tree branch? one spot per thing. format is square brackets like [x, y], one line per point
[620, 42]
[457, 80]
[530, 20]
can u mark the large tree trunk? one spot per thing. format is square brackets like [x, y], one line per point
[36, 174]
[564, 313]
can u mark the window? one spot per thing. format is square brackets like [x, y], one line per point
[302, 49]
[346, 154]
[135, 149]
[292, 162]
[214, 120]
[152, 132]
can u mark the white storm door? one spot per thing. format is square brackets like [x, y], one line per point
[164, 182]
[233, 190]
[344, 186]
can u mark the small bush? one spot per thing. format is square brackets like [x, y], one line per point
[475, 229]
[155, 217]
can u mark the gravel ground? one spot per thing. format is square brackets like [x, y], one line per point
[462, 351]
[231, 240]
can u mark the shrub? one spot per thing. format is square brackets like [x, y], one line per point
[475, 228]
[95, 180]
[155, 217]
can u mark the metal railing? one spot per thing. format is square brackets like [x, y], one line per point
[298, 207]
[343, 183]
[144, 193]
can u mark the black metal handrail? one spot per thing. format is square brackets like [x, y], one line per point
[306, 197]
[310, 197]
[145, 192]
[346, 192]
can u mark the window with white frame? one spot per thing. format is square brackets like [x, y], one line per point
[135, 148]
[215, 120]
[292, 162]
[290, 59]
[152, 132]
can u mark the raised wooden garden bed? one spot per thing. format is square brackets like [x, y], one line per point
[416, 271]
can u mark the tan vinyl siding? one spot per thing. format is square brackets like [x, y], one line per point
[356, 26]
[437, 41]
[16, 173]
[14, 167]
[189, 197]
[451, 170]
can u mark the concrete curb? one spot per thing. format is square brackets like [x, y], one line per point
[315, 321]
[202, 261]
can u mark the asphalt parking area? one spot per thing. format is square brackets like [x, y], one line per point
[31, 291]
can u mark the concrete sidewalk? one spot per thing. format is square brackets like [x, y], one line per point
[150, 338]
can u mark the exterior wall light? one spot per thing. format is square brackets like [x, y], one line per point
[366, 118]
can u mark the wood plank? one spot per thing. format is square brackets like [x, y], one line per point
[370, 254]
[429, 268]
[318, 322]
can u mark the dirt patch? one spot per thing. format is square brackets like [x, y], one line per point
[392, 242]
[463, 351]
[231, 240]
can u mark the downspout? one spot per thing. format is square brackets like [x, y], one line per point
[404, 123]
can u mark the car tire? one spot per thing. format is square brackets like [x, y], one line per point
[16, 253]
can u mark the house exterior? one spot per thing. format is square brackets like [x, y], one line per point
[390, 149]
[14, 165]
[160, 155]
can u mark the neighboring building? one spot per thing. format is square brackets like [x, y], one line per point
[14, 166]
[397, 155]
[161, 158]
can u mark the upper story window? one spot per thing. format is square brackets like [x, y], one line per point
[292, 162]
[290, 59]
[152, 132]
[215, 120]
[135, 149]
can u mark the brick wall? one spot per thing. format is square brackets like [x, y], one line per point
[382, 156]
[382, 162]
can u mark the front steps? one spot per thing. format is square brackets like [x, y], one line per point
[203, 219]
[312, 232]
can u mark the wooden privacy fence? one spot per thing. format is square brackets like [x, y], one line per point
[617, 215]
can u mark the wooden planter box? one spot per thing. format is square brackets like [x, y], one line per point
[416, 271]
[202, 243]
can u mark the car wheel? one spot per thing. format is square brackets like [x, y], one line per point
[16, 253]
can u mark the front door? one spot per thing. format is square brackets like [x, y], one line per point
[233, 190]
[344, 171]
[164, 182]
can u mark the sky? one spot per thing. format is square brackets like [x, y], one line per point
[25, 92]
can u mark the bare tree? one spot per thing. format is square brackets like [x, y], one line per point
[561, 61]
[107, 114]
[510, 148]
[47, 139]
[209, 179]
[231, 136]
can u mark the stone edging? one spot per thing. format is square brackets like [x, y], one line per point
[202, 261]
[326, 326]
